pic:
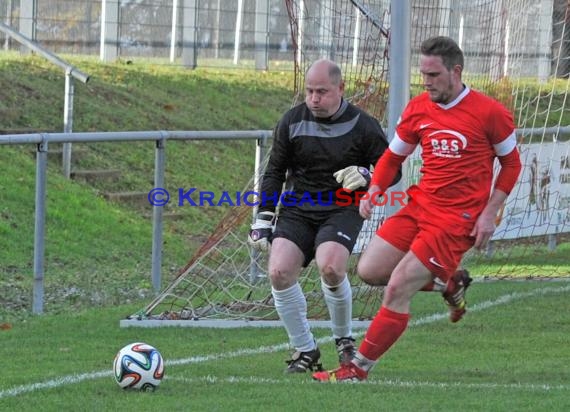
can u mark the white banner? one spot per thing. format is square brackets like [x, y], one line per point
[540, 202]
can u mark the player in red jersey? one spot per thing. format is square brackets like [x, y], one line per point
[450, 210]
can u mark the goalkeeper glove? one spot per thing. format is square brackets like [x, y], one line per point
[261, 229]
[353, 177]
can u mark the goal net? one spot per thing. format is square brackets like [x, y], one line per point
[517, 51]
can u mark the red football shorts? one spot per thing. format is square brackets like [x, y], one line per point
[438, 238]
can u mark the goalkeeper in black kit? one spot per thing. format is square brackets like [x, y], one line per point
[324, 148]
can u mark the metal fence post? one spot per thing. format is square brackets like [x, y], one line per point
[174, 31]
[261, 34]
[237, 37]
[552, 242]
[190, 33]
[260, 152]
[159, 162]
[28, 23]
[67, 121]
[39, 227]
[109, 48]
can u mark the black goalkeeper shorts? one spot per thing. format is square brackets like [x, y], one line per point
[309, 229]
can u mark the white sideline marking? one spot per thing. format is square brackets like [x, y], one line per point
[71, 379]
[379, 382]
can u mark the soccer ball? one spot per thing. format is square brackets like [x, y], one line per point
[138, 366]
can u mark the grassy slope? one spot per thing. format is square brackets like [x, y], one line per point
[96, 251]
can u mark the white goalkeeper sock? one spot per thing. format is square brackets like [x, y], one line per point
[291, 307]
[339, 303]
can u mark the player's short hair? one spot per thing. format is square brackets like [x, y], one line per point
[444, 47]
[334, 71]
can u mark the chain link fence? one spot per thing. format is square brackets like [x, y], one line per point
[229, 33]
[223, 31]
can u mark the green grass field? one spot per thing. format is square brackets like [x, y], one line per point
[510, 353]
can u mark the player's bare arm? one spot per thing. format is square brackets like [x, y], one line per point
[508, 175]
[485, 224]
[367, 202]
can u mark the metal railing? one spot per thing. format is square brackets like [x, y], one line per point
[159, 137]
[71, 72]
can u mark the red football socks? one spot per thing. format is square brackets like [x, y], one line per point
[385, 329]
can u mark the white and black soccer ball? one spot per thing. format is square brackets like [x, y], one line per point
[138, 366]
